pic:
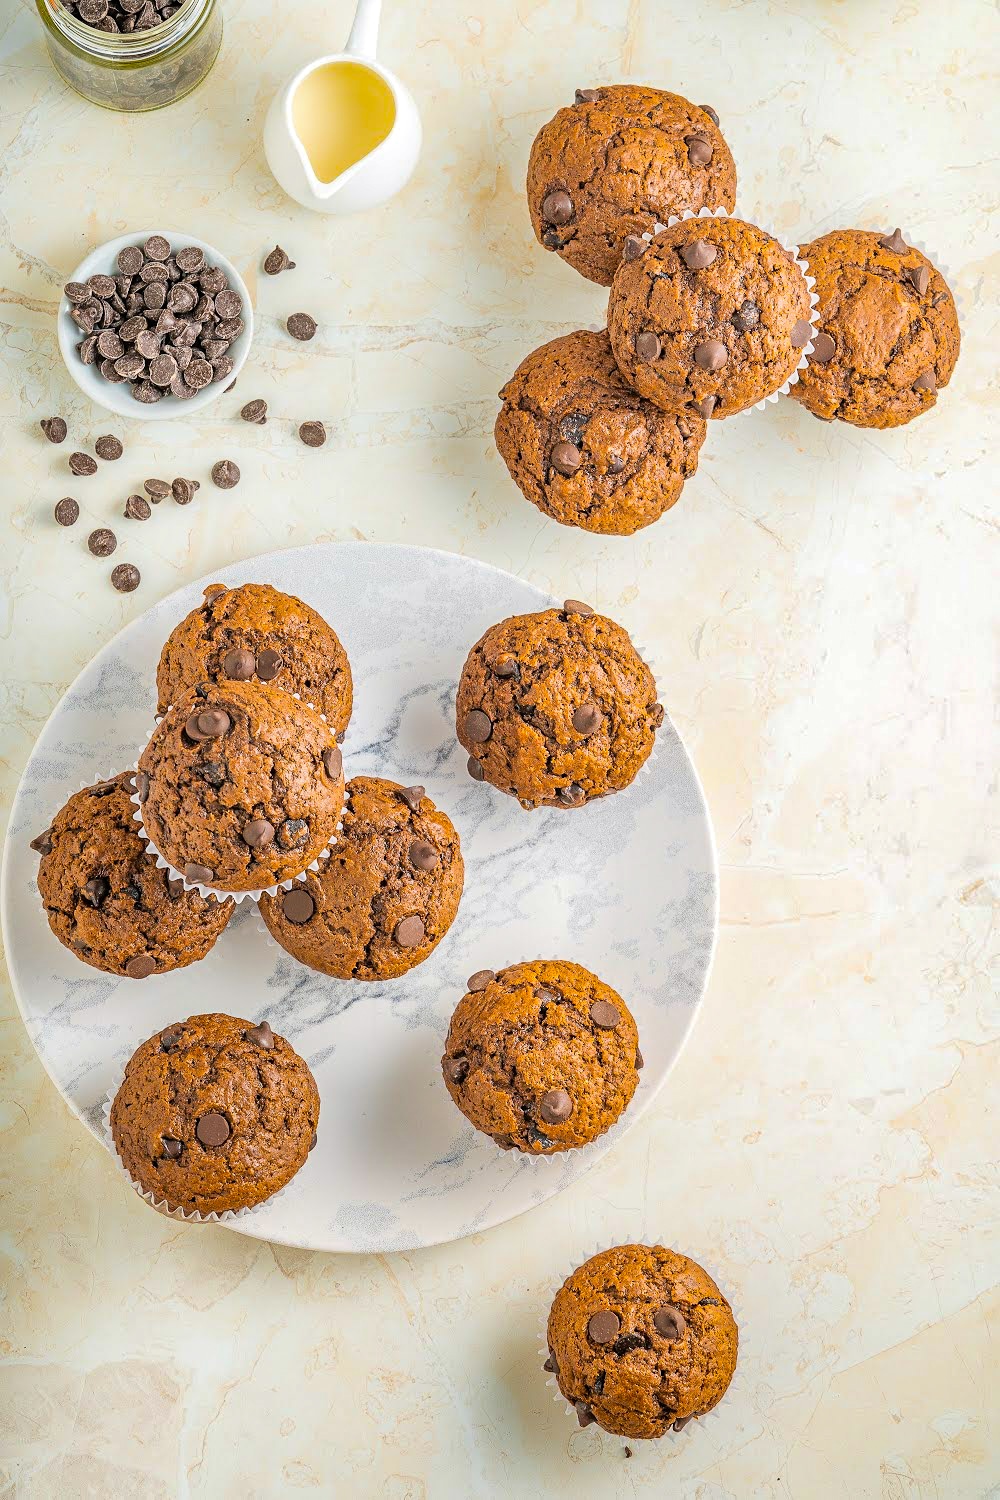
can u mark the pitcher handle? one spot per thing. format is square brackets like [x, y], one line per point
[363, 39]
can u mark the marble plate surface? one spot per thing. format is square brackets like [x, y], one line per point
[627, 887]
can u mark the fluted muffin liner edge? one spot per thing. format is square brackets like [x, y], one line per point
[550, 1378]
[219, 893]
[795, 252]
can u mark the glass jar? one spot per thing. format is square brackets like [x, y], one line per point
[134, 70]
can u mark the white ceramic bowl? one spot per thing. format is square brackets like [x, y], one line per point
[119, 398]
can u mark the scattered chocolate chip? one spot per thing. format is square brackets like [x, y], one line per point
[95, 890]
[108, 447]
[604, 1326]
[137, 508]
[423, 856]
[54, 429]
[555, 1106]
[647, 347]
[698, 254]
[313, 434]
[43, 843]
[474, 769]
[255, 411]
[126, 578]
[802, 332]
[920, 277]
[239, 664]
[262, 1036]
[824, 349]
[301, 326]
[456, 1069]
[682, 1422]
[557, 207]
[587, 718]
[747, 317]
[699, 150]
[156, 489]
[269, 664]
[82, 464]
[625, 1447]
[409, 932]
[572, 796]
[142, 786]
[67, 512]
[213, 1129]
[102, 542]
[708, 110]
[894, 242]
[478, 726]
[141, 966]
[711, 355]
[171, 1147]
[183, 491]
[584, 1415]
[925, 382]
[605, 1015]
[277, 261]
[297, 906]
[258, 833]
[577, 607]
[586, 96]
[412, 796]
[706, 406]
[566, 458]
[479, 980]
[225, 474]
[635, 245]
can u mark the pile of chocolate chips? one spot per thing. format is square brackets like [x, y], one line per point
[122, 15]
[164, 323]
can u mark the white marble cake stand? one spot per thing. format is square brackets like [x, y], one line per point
[627, 887]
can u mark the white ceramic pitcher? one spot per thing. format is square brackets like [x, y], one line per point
[376, 175]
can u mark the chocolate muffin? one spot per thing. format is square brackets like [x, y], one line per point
[105, 897]
[888, 330]
[557, 708]
[712, 317]
[256, 634]
[641, 1341]
[214, 1114]
[610, 166]
[241, 786]
[583, 447]
[386, 896]
[541, 1056]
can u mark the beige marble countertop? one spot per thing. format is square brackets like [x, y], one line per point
[823, 601]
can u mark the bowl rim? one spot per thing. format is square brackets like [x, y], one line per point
[105, 394]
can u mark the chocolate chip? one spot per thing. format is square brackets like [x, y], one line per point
[239, 664]
[293, 833]
[801, 333]
[605, 1015]
[183, 490]
[95, 891]
[409, 932]
[925, 382]
[630, 1342]
[647, 347]
[54, 429]
[262, 1036]
[584, 1415]
[604, 1326]
[225, 474]
[708, 110]
[255, 411]
[156, 489]
[572, 796]
[639, 1061]
[478, 726]
[555, 1106]
[456, 1069]
[682, 1422]
[313, 434]
[706, 406]
[213, 772]
[76, 291]
[479, 980]
[412, 796]
[277, 261]
[141, 966]
[586, 96]
[171, 1147]
[587, 718]
[208, 724]
[67, 512]
[333, 760]
[258, 833]
[156, 247]
[669, 1322]
[301, 326]
[920, 277]
[190, 259]
[198, 874]
[698, 254]
[142, 786]
[551, 1364]
[423, 856]
[474, 769]
[102, 542]
[557, 207]
[566, 458]
[634, 246]
[43, 843]
[213, 1129]
[505, 667]
[746, 317]
[577, 607]
[269, 664]
[711, 355]
[824, 349]
[894, 242]
[297, 906]
[553, 240]
[699, 150]
[126, 578]
[82, 464]
[137, 508]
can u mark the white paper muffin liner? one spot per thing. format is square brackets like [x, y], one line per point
[803, 265]
[550, 1379]
[219, 893]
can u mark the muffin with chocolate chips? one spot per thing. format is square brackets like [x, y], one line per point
[386, 896]
[710, 318]
[241, 786]
[105, 898]
[254, 633]
[214, 1114]
[583, 447]
[641, 1341]
[541, 1056]
[888, 334]
[623, 157]
[557, 708]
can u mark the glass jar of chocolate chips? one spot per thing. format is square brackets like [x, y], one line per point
[132, 54]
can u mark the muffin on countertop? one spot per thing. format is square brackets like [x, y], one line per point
[541, 1056]
[241, 786]
[214, 1114]
[557, 708]
[584, 447]
[710, 318]
[387, 894]
[623, 157]
[888, 334]
[254, 633]
[106, 899]
[641, 1341]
